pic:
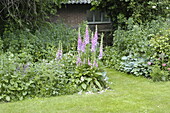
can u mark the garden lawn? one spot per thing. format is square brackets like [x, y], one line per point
[129, 94]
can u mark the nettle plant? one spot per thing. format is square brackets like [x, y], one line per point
[88, 74]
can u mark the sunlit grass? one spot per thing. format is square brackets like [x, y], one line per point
[129, 94]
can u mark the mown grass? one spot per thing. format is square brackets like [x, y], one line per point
[129, 94]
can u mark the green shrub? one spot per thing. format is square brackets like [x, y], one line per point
[111, 58]
[158, 74]
[137, 45]
[43, 43]
[160, 44]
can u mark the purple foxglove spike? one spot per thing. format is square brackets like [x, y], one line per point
[83, 46]
[94, 41]
[79, 44]
[93, 44]
[59, 54]
[100, 55]
[95, 64]
[78, 61]
[96, 35]
[87, 36]
[89, 63]
[101, 47]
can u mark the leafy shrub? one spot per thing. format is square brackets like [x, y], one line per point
[43, 43]
[160, 44]
[158, 74]
[137, 45]
[111, 58]
[90, 79]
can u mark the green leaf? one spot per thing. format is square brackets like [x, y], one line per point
[88, 79]
[99, 73]
[98, 84]
[7, 98]
[84, 86]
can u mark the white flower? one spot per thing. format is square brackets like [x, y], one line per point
[82, 79]
[153, 7]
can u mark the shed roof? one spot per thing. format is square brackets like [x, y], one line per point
[78, 2]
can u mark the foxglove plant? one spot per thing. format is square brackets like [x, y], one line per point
[79, 62]
[87, 54]
[79, 44]
[101, 47]
[83, 46]
[89, 63]
[59, 52]
[95, 64]
[94, 41]
[87, 36]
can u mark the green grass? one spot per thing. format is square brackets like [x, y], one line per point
[129, 94]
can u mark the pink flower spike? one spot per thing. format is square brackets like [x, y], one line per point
[87, 36]
[79, 43]
[101, 48]
[164, 65]
[89, 63]
[95, 64]
[94, 41]
[78, 61]
[149, 63]
[83, 46]
[59, 54]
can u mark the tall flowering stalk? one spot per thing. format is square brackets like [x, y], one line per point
[95, 64]
[87, 54]
[79, 44]
[94, 41]
[87, 36]
[83, 46]
[79, 62]
[59, 52]
[101, 47]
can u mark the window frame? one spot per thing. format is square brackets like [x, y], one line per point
[94, 18]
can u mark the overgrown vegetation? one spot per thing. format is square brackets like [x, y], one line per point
[140, 10]
[43, 43]
[41, 59]
[47, 63]
[141, 47]
[28, 14]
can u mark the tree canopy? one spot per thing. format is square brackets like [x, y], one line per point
[26, 12]
[140, 10]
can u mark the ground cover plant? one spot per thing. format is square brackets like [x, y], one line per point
[129, 94]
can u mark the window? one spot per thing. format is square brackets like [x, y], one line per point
[97, 17]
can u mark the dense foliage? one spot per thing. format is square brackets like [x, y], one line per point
[42, 44]
[42, 64]
[139, 10]
[26, 13]
[141, 49]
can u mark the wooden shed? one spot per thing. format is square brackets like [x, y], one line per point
[75, 12]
